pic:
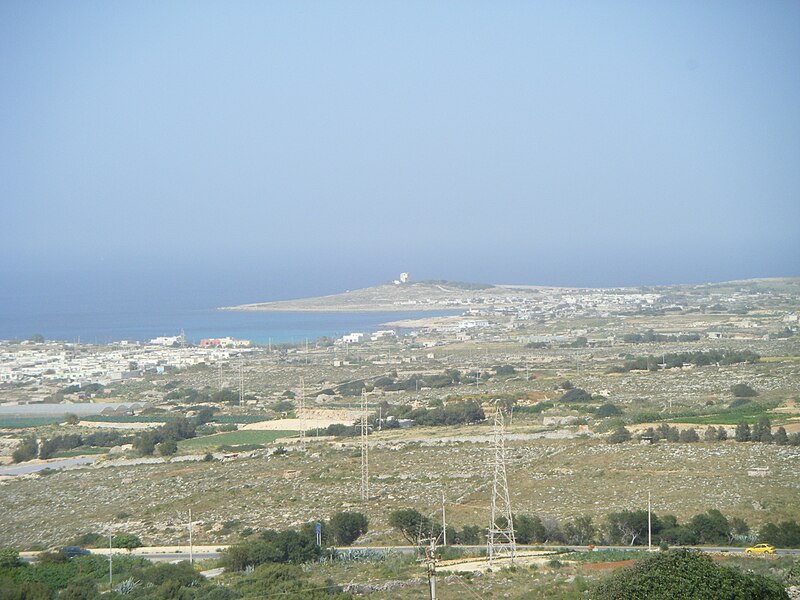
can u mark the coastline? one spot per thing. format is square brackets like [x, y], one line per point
[337, 308]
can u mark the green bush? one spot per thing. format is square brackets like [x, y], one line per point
[27, 450]
[619, 436]
[347, 527]
[687, 575]
[742, 390]
[608, 410]
[576, 395]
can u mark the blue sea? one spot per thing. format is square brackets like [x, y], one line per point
[138, 305]
[260, 327]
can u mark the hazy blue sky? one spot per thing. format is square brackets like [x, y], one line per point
[274, 148]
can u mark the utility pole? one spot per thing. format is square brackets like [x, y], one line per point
[430, 563]
[364, 447]
[444, 523]
[191, 544]
[110, 563]
[302, 413]
[649, 525]
[501, 540]
[241, 381]
[219, 375]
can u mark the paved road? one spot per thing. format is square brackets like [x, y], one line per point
[62, 463]
[410, 549]
[360, 550]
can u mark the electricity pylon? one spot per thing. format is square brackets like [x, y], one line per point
[302, 413]
[500, 541]
[364, 447]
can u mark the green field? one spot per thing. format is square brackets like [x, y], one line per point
[234, 438]
[239, 419]
[750, 412]
[23, 422]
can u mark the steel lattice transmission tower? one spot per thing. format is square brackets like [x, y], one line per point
[501, 542]
[364, 447]
[302, 413]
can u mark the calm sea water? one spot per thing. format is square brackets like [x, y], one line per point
[138, 305]
[260, 327]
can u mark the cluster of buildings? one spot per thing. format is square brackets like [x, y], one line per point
[81, 365]
[358, 337]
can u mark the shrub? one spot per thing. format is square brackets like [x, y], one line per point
[27, 450]
[688, 575]
[128, 541]
[619, 436]
[576, 395]
[411, 523]
[742, 390]
[785, 534]
[608, 410]
[347, 527]
[168, 447]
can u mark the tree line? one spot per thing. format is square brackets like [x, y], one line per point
[626, 528]
[700, 359]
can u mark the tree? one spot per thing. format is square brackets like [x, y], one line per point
[27, 450]
[686, 574]
[739, 527]
[412, 524]
[145, 443]
[608, 410]
[470, 535]
[711, 527]
[722, 433]
[762, 431]
[710, 434]
[128, 541]
[742, 432]
[579, 531]
[168, 447]
[688, 436]
[80, 588]
[742, 390]
[785, 534]
[629, 526]
[9, 558]
[576, 395]
[619, 435]
[204, 415]
[347, 527]
[529, 529]
[780, 437]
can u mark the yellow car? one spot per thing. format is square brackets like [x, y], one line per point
[760, 549]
